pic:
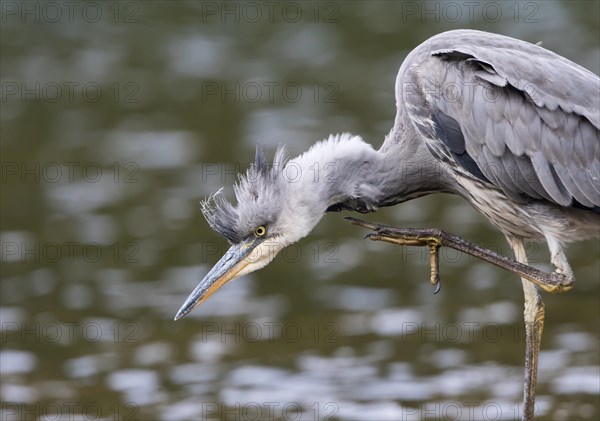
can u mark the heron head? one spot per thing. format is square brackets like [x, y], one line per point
[271, 213]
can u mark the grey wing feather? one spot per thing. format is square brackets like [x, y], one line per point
[532, 121]
[550, 80]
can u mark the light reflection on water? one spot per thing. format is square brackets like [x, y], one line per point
[338, 326]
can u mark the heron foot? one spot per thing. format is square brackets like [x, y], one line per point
[414, 238]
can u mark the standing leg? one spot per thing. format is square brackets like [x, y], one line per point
[534, 324]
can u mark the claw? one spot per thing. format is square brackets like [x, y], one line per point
[372, 234]
[437, 287]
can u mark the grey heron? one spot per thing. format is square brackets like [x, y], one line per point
[509, 126]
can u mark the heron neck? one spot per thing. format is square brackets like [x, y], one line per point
[407, 171]
[344, 172]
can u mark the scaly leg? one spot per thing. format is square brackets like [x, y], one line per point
[534, 324]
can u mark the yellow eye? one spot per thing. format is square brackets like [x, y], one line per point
[260, 231]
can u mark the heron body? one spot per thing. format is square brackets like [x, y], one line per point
[509, 126]
[514, 124]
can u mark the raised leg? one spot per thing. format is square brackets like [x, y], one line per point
[534, 324]
[434, 238]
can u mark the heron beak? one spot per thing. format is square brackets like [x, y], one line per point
[231, 266]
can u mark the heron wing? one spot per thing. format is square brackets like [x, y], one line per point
[526, 118]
